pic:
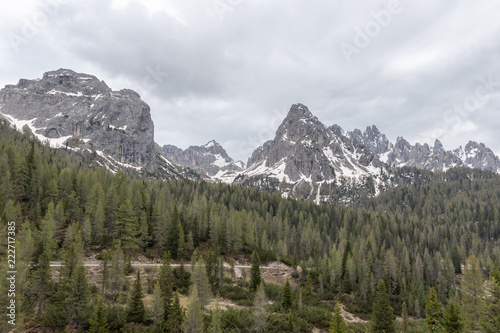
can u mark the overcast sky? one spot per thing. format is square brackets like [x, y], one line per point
[229, 70]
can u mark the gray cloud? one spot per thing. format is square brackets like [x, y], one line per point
[228, 70]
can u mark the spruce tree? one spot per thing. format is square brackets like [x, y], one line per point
[165, 281]
[433, 311]
[174, 234]
[452, 323]
[491, 324]
[382, 314]
[286, 296]
[338, 324]
[41, 282]
[99, 320]
[126, 226]
[135, 309]
[176, 320]
[78, 297]
[255, 277]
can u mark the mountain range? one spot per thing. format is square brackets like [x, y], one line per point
[306, 159]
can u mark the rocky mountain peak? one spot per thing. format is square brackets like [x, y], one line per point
[79, 111]
[438, 147]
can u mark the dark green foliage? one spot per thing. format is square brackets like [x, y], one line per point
[41, 283]
[452, 323]
[78, 297]
[165, 282]
[382, 315]
[255, 278]
[286, 296]
[433, 313]
[338, 324]
[135, 308]
[99, 320]
[176, 318]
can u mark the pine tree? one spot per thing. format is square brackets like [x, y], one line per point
[116, 278]
[47, 242]
[176, 320]
[433, 311]
[99, 320]
[255, 278]
[452, 323]
[135, 309]
[382, 314]
[338, 324]
[260, 313]
[194, 317]
[286, 297]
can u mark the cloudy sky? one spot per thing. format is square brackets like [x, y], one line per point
[229, 70]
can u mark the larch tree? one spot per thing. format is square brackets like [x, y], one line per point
[472, 294]
[200, 281]
[259, 310]
[194, 316]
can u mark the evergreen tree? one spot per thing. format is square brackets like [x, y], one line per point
[338, 324]
[125, 226]
[433, 311]
[472, 294]
[194, 317]
[286, 296]
[41, 283]
[116, 278]
[404, 316]
[382, 314]
[260, 313]
[174, 234]
[165, 282]
[255, 278]
[176, 320]
[157, 308]
[99, 320]
[215, 325]
[135, 309]
[491, 324]
[200, 280]
[452, 322]
[78, 297]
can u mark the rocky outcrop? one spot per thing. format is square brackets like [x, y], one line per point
[211, 158]
[435, 158]
[69, 109]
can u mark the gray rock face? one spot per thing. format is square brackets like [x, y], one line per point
[210, 158]
[436, 158]
[308, 157]
[78, 110]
